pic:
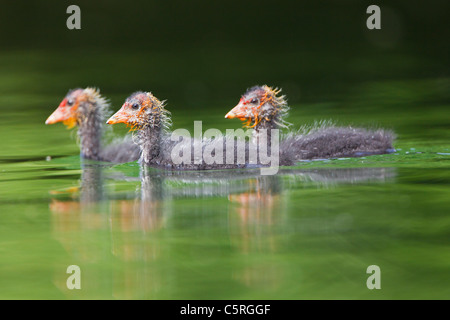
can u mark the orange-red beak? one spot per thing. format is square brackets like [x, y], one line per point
[64, 114]
[237, 112]
[57, 116]
[120, 116]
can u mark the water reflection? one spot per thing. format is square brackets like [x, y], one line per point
[83, 210]
[253, 220]
[133, 231]
[254, 214]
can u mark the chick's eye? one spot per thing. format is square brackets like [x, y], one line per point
[254, 100]
[135, 106]
[70, 102]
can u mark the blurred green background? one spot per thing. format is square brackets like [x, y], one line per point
[192, 52]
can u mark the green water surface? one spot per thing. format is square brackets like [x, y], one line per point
[310, 231]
